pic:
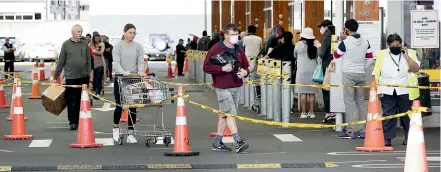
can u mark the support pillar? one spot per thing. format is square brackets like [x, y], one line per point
[215, 16]
[257, 16]
[239, 15]
[225, 13]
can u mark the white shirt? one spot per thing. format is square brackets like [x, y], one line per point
[252, 45]
[391, 75]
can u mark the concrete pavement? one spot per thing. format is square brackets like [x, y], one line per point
[313, 150]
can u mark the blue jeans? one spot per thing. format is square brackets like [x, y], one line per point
[98, 79]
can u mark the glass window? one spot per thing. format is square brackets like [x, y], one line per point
[9, 17]
[18, 17]
[37, 16]
[28, 17]
[2, 16]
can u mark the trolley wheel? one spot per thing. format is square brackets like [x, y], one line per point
[121, 140]
[148, 142]
[167, 140]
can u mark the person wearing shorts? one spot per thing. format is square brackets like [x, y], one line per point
[227, 81]
[128, 57]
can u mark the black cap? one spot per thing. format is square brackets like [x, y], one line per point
[325, 23]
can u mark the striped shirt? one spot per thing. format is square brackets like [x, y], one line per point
[355, 52]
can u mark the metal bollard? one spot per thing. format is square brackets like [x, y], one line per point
[277, 99]
[251, 87]
[286, 92]
[198, 75]
[269, 91]
[263, 69]
[189, 54]
[246, 89]
[193, 66]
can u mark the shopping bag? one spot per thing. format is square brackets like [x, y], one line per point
[318, 73]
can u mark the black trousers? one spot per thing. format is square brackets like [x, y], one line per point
[326, 96]
[393, 104]
[118, 110]
[9, 67]
[180, 62]
[73, 98]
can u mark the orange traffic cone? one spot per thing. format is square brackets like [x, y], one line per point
[227, 131]
[86, 136]
[416, 159]
[125, 116]
[374, 139]
[42, 76]
[182, 142]
[35, 94]
[147, 69]
[14, 88]
[170, 71]
[51, 79]
[18, 131]
[2, 98]
[186, 65]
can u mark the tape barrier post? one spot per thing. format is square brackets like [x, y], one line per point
[263, 75]
[198, 54]
[286, 92]
[269, 91]
[247, 89]
[193, 75]
[277, 104]
[204, 80]
[189, 53]
[200, 71]
[251, 89]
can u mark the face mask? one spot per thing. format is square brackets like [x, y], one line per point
[395, 50]
[234, 39]
[322, 30]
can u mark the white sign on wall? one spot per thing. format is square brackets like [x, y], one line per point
[371, 30]
[425, 29]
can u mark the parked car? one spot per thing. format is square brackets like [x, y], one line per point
[158, 46]
[46, 50]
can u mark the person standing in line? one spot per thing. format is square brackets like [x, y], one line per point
[252, 42]
[227, 80]
[75, 59]
[356, 55]
[108, 56]
[324, 51]
[306, 54]
[204, 41]
[98, 50]
[180, 50]
[9, 56]
[241, 37]
[88, 38]
[215, 40]
[128, 56]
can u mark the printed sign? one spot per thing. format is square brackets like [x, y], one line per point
[371, 30]
[425, 29]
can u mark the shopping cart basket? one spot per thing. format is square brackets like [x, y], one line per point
[149, 92]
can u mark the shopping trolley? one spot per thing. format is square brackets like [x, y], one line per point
[256, 78]
[149, 92]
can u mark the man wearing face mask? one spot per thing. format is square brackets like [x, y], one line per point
[356, 56]
[227, 80]
[397, 66]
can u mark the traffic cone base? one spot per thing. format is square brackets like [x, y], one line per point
[373, 149]
[18, 137]
[182, 141]
[86, 135]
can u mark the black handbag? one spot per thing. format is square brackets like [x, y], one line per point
[225, 58]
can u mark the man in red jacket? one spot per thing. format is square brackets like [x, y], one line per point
[227, 80]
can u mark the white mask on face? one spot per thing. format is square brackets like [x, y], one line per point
[322, 30]
[234, 39]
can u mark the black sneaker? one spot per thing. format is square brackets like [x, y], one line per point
[241, 146]
[220, 148]
[73, 126]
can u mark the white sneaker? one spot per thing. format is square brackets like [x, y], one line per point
[115, 134]
[311, 115]
[131, 139]
[303, 115]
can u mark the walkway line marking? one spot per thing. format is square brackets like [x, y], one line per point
[348, 162]
[287, 138]
[7, 151]
[388, 166]
[432, 152]
[105, 141]
[429, 158]
[227, 140]
[269, 153]
[40, 143]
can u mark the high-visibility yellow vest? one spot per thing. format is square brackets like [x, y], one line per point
[414, 93]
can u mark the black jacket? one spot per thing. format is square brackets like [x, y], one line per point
[324, 51]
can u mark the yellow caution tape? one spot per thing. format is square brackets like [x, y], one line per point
[300, 125]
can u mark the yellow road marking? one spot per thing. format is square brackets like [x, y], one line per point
[330, 165]
[79, 167]
[5, 168]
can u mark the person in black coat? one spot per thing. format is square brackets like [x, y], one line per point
[285, 52]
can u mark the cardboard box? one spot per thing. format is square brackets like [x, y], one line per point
[53, 99]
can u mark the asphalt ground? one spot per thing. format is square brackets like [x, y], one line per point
[308, 150]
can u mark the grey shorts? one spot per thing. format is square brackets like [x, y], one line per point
[228, 99]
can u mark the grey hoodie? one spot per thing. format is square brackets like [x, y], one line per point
[356, 54]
